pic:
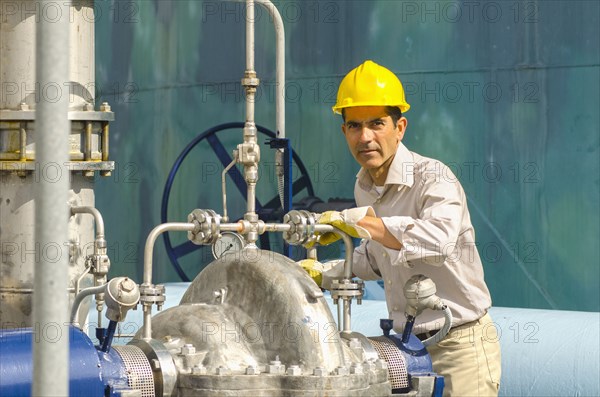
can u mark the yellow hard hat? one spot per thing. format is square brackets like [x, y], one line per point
[370, 84]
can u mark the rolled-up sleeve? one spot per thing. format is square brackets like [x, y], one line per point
[432, 237]
[365, 265]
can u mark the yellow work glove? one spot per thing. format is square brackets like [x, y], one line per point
[314, 269]
[346, 221]
[323, 273]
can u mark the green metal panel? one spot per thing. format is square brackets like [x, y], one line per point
[505, 92]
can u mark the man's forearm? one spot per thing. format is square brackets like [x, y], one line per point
[379, 232]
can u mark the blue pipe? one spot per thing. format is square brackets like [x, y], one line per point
[91, 373]
[110, 333]
[408, 327]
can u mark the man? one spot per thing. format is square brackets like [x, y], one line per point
[422, 226]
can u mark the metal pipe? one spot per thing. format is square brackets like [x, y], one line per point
[147, 326]
[81, 276]
[149, 247]
[339, 312]
[346, 325]
[224, 185]
[279, 65]
[97, 218]
[251, 207]
[79, 299]
[250, 72]
[50, 300]
[349, 246]
[250, 35]
[148, 250]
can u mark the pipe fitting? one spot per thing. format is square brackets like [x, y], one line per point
[206, 226]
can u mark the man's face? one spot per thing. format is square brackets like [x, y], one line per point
[373, 138]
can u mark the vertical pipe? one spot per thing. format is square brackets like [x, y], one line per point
[50, 299]
[251, 193]
[279, 65]
[250, 72]
[339, 314]
[250, 166]
[347, 327]
[250, 35]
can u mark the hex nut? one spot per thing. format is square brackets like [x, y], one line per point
[356, 369]
[127, 285]
[199, 370]
[188, 349]
[294, 370]
[341, 371]
[252, 370]
[319, 371]
[222, 370]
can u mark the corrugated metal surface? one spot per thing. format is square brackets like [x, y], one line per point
[506, 93]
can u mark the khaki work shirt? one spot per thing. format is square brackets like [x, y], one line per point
[424, 206]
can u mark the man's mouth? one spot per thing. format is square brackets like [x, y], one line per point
[367, 151]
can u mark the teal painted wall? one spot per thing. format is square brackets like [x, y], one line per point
[505, 92]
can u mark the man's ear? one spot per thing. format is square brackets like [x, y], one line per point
[401, 125]
[344, 128]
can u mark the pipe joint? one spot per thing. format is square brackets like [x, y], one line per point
[250, 81]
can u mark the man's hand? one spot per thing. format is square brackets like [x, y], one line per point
[323, 273]
[314, 270]
[346, 221]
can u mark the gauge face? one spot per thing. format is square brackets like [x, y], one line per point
[228, 242]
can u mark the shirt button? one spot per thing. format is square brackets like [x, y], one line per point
[389, 281]
[396, 308]
[385, 255]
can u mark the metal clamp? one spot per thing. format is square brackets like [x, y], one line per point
[302, 227]
[207, 226]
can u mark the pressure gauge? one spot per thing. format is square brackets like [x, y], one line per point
[228, 242]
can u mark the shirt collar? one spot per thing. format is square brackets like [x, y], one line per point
[400, 172]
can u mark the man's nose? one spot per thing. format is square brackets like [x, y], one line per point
[366, 135]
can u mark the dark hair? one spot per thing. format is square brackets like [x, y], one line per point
[392, 111]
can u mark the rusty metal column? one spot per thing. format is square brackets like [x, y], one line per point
[50, 299]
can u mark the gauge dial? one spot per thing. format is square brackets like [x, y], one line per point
[228, 242]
